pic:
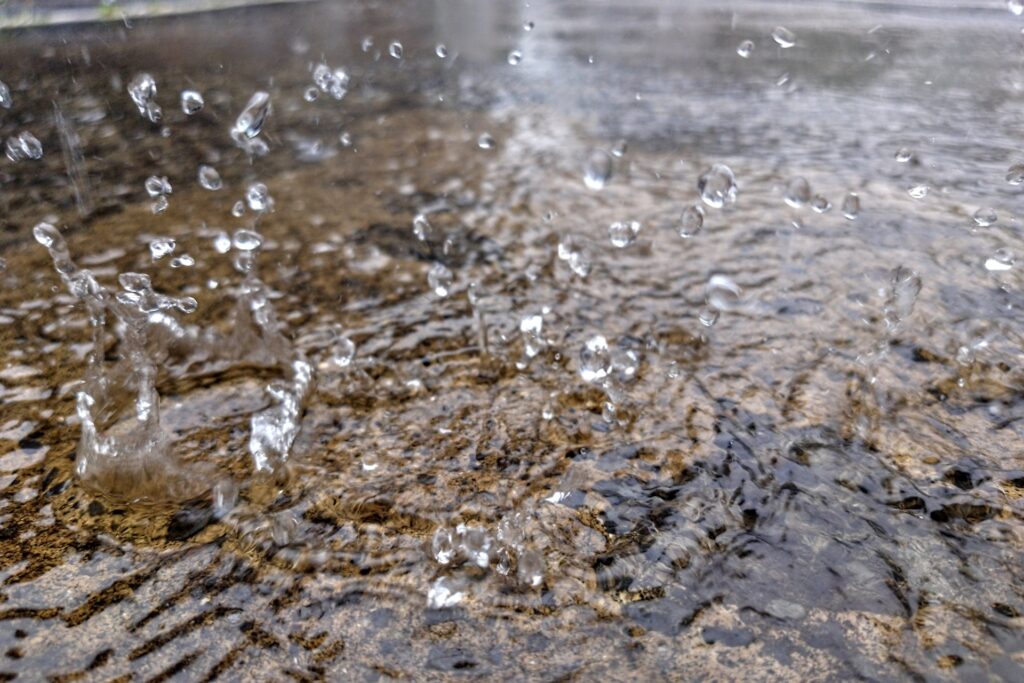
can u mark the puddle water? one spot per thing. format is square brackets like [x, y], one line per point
[537, 341]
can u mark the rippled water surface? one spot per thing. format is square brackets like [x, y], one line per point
[796, 452]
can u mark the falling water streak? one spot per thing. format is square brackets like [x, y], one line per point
[74, 161]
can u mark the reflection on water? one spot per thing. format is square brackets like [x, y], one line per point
[650, 337]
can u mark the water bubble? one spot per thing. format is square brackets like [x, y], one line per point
[209, 179]
[1001, 260]
[191, 102]
[485, 141]
[985, 217]
[528, 26]
[6, 101]
[904, 155]
[623, 233]
[717, 186]
[441, 50]
[440, 279]
[784, 37]
[597, 169]
[722, 294]
[708, 316]
[142, 90]
[745, 49]
[595, 359]
[515, 57]
[183, 261]
[257, 198]
[820, 204]
[442, 545]
[919, 191]
[311, 94]
[619, 149]
[238, 210]
[395, 49]
[161, 204]
[691, 220]
[531, 328]
[1015, 6]
[24, 145]
[798, 192]
[1015, 174]
[250, 122]
[246, 240]
[851, 206]
[162, 246]
[156, 186]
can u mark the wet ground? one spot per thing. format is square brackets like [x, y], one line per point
[806, 488]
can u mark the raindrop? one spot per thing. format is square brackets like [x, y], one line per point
[238, 209]
[904, 155]
[257, 198]
[717, 186]
[442, 546]
[183, 261]
[1001, 260]
[24, 145]
[597, 170]
[422, 228]
[142, 90]
[156, 186]
[367, 43]
[528, 26]
[209, 179]
[221, 242]
[5, 96]
[708, 316]
[722, 294]
[345, 138]
[691, 221]
[745, 49]
[784, 37]
[798, 192]
[595, 359]
[985, 217]
[919, 191]
[623, 233]
[445, 593]
[821, 204]
[1015, 174]
[246, 240]
[515, 57]
[334, 82]
[619, 149]
[1015, 6]
[162, 246]
[851, 206]
[342, 352]
[531, 327]
[191, 102]
[440, 279]
[485, 141]
[161, 204]
[530, 569]
[311, 94]
[395, 49]
[441, 50]
[249, 123]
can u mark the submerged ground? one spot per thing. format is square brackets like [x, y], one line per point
[806, 488]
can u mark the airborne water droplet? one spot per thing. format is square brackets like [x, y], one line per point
[441, 50]
[161, 246]
[717, 186]
[5, 96]
[191, 102]
[246, 240]
[1015, 174]
[395, 49]
[1001, 260]
[485, 141]
[821, 204]
[595, 359]
[440, 279]
[903, 155]
[623, 233]
[528, 26]
[722, 294]
[597, 170]
[851, 206]
[156, 186]
[745, 49]
[422, 228]
[784, 37]
[249, 123]
[24, 145]
[985, 217]
[798, 192]
[1015, 6]
[209, 178]
[691, 221]
[919, 191]
[515, 57]
[257, 198]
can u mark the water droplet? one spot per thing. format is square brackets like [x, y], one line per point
[422, 228]
[440, 279]
[722, 294]
[531, 328]
[162, 246]
[24, 145]
[619, 149]
[441, 50]
[341, 352]
[345, 138]
[246, 240]
[311, 94]
[191, 102]
[528, 26]
[1015, 6]
[515, 57]
[597, 170]
[905, 285]
[221, 242]
[708, 316]
[183, 261]
[156, 186]
[257, 198]
[851, 206]
[366, 44]
[209, 179]
[985, 217]
[249, 123]
[904, 155]
[238, 210]
[1001, 260]
[784, 37]
[6, 101]
[48, 236]
[142, 90]
[161, 204]
[580, 262]
[485, 141]
[919, 191]
[798, 192]
[445, 593]
[395, 49]
[334, 82]
[442, 545]
[717, 186]
[595, 359]
[745, 49]
[691, 221]
[530, 569]
[623, 233]
[1015, 174]
[821, 204]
